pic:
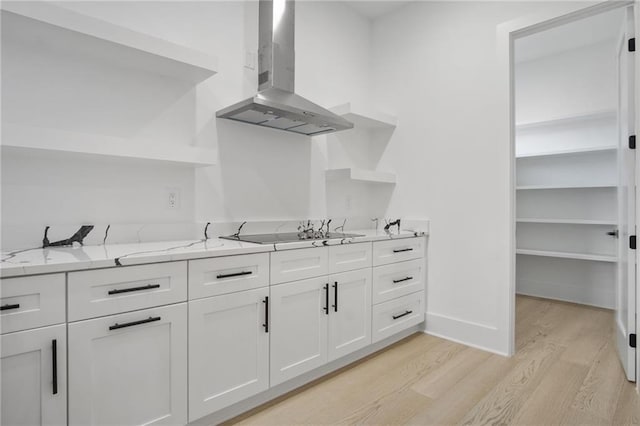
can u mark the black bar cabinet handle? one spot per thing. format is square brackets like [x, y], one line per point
[7, 307]
[401, 250]
[130, 289]
[335, 296]
[402, 279]
[54, 362]
[266, 314]
[235, 274]
[326, 299]
[132, 323]
[395, 317]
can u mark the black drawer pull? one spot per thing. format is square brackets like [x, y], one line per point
[54, 363]
[402, 279]
[335, 296]
[266, 314]
[7, 307]
[235, 274]
[395, 317]
[129, 290]
[401, 250]
[132, 323]
[326, 299]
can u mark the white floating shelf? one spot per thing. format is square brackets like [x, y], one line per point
[54, 141]
[567, 255]
[364, 117]
[531, 187]
[576, 151]
[567, 221]
[362, 175]
[56, 28]
[568, 119]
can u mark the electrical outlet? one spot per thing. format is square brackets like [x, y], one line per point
[173, 198]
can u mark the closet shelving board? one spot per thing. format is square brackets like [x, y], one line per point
[61, 28]
[544, 187]
[566, 221]
[568, 152]
[567, 255]
[568, 119]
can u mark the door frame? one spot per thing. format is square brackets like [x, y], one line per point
[506, 34]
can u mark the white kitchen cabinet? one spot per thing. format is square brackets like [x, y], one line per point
[397, 250]
[129, 369]
[34, 385]
[228, 350]
[350, 312]
[398, 279]
[396, 315]
[228, 274]
[299, 317]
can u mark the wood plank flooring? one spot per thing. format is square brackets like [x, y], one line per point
[565, 372]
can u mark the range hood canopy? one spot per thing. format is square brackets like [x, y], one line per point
[276, 105]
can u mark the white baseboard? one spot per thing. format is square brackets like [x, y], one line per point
[479, 336]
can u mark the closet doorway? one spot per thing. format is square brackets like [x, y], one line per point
[575, 206]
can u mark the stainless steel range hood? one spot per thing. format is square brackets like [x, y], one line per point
[276, 105]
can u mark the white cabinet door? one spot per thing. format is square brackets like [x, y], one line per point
[349, 257]
[129, 369]
[228, 350]
[299, 312]
[34, 388]
[350, 313]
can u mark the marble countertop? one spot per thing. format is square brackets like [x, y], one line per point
[64, 259]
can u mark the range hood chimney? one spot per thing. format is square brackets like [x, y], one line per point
[276, 105]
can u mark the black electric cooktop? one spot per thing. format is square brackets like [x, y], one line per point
[285, 237]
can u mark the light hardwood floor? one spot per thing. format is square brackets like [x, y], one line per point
[565, 372]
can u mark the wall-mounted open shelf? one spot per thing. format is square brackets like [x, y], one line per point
[568, 119]
[568, 152]
[53, 141]
[364, 117]
[362, 175]
[567, 255]
[56, 28]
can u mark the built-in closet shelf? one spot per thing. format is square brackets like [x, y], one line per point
[569, 119]
[362, 175]
[569, 152]
[535, 187]
[364, 117]
[51, 27]
[53, 141]
[567, 255]
[567, 221]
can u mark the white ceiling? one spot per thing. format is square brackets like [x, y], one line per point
[375, 9]
[592, 30]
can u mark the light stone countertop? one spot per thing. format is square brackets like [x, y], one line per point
[65, 259]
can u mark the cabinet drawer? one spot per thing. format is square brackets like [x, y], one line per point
[292, 265]
[348, 257]
[221, 275]
[30, 302]
[397, 279]
[397, 250]
[111, 291]
[397, 315]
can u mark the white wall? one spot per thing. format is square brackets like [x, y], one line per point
[261, 174]
[435, 65]
[570, 83]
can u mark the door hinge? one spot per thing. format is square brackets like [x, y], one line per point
[632, 142]
[632, 242]
[632, 340]
[632, 44]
